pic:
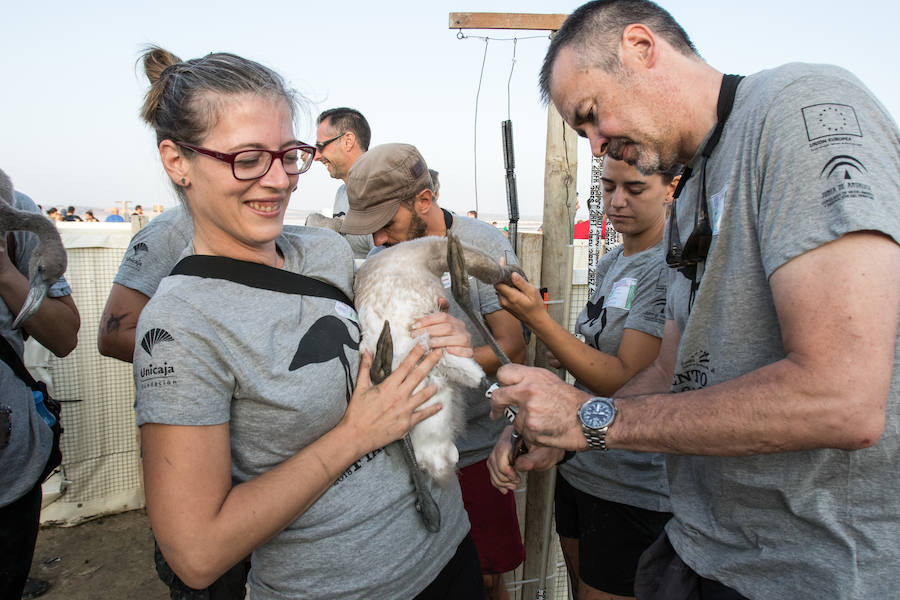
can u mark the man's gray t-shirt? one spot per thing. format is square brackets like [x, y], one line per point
[631, 294]
[341, 202]
[807, 156]
[481, 432]
[23, 456]
[279, 369]
[154, 250]
[361, 244]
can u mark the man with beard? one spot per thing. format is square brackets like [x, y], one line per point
[781, 432]
[391, 196]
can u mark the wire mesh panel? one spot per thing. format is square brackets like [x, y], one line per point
[101, 459]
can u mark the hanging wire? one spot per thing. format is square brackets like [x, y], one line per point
[509, 81]
[461, 36]
[475, 136]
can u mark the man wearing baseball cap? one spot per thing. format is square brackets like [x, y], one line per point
[391, 196]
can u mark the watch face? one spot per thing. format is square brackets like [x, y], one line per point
[597, 413]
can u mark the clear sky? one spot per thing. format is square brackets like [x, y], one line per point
[71, 91]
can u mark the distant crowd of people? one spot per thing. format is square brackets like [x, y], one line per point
[69, 215]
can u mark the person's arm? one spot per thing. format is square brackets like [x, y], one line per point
[115, 336]
[55, 324]
[830, 390]
[603, 373]
[657, 377]
[204, 525]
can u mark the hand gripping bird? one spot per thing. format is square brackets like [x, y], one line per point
[48, 261]
[395, 288]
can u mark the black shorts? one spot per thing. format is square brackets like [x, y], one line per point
[611, 536]
[662, 575]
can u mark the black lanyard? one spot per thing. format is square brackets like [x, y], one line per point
[727, 92]
[685, 258]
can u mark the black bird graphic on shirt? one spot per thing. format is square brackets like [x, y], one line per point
[324, 341]
[596, 310]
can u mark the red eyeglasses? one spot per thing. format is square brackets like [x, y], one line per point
[247, 165]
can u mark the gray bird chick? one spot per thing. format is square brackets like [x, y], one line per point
[401, 285]
[48, 261]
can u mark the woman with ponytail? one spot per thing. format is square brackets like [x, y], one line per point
[261, 431]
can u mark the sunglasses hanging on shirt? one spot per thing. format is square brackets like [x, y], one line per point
[686, 257]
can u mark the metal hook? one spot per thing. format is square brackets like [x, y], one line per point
[460, 35]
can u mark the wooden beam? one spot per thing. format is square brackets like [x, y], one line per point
[534, 21]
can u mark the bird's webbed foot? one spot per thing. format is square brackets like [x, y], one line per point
[384, 356]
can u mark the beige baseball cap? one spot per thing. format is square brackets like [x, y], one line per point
[378, 182]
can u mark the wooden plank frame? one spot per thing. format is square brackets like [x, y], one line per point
[530, 21]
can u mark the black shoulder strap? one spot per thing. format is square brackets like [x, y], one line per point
[727, 92]
[258, 276]
[9, 356]
[448, 218]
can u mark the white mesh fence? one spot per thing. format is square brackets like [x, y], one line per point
[101, 461]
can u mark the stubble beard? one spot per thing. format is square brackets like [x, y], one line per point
[647, 159]
[417, 227]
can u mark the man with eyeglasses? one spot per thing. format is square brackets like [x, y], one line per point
[776, 392]
[342, 136]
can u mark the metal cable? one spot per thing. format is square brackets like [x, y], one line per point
[475, 136]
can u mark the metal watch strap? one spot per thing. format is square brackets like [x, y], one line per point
[596, 438]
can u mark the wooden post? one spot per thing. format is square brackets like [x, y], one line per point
[529, 253]
[559, 208]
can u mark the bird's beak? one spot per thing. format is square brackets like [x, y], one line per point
[37, 291]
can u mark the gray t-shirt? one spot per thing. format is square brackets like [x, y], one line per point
[154, 250]
[481, 432]
[24, 455]
[807, 156]
[361, 244]
[631, 294]
[279, 368]
[341, 202]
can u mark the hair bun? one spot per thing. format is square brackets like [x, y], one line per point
[156, 61]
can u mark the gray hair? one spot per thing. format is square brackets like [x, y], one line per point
[595, 29]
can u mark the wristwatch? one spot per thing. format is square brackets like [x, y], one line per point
[596, 415]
